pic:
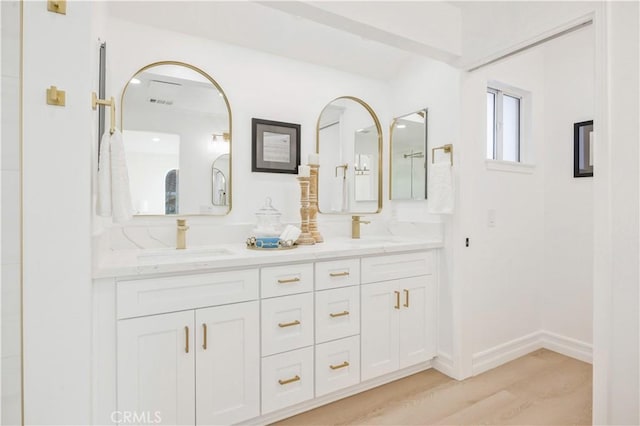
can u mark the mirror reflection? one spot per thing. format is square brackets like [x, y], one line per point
[219, 173]
[349, 142]
[176, 125]
[408, 160]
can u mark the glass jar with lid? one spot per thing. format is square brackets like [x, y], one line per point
[267, 221]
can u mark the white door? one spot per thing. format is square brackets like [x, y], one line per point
[228, 365]
[417, 340]
[156, 369]
[379, 330]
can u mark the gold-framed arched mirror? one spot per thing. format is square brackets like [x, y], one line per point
[349, 144]
[176, 122]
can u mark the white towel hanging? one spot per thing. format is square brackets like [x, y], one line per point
[441, 194]
[114, 194]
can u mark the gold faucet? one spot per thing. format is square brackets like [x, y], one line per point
[355, 226]
[181, 237]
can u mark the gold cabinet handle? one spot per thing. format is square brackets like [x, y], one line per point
[397, 306]
[291, 380]
[288, 324]
[290, 280]
[336, 367]
[339, 314]
[204, 334]
[406, 298]
[339, 274]
[186, 342]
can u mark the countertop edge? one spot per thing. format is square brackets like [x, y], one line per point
[243, 258]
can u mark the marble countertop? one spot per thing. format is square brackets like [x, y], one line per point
[138, 263]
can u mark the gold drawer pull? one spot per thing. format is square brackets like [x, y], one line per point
[339, 314]
[288, 324]
[204, 334]
[336, 367]
[339, 274]
[291, 380]
[290, 280]
[397, 306]
[186, 339]
[406, 295]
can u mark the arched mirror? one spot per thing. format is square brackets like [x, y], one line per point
[349, 144]
[176, 121]
[408, 158]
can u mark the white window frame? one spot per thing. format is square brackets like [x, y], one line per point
[499, 90]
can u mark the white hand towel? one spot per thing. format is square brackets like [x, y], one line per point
[114, 194]
[103, 203]
[120, 191]
[440, 195]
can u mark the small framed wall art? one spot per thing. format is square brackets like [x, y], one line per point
[275, 146]
[583, 149]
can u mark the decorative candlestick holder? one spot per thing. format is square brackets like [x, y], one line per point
[313, 204]
[305, 236]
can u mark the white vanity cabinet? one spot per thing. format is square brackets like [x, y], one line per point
[256, 344]
[197, 366]
[398, 314]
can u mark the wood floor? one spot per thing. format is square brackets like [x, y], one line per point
[542, 388]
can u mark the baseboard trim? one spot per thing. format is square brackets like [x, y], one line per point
[444, 364]
[323, 400]
[567, 346]
[501, 354]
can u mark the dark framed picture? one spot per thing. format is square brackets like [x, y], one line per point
[583, 149]
[275, 146]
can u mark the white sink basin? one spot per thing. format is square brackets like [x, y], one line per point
[379, 239]
[167, 255]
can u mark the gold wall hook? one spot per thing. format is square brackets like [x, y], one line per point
[57, 6]
[56, 97]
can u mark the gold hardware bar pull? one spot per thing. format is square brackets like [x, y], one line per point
[406, 298]
[397, 299]
[204, 333]
[288, 324]
[291, 380]
[339, 314]
[186, 344]
[336, 367]
[111, 103]
[290, 280]
[339, 274]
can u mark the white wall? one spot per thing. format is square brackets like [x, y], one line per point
[58, 50]
[10, 307]
[502, 269]
[567, 286]
[616, 398]
[257, 85]
[491, 29]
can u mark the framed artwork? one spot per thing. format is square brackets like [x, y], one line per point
[583, 149]
[275, 146]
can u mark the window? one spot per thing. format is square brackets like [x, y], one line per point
[503, 125]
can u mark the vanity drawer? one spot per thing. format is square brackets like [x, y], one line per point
[287, 323]
[287, 379]
[337, 365]
[167, 294]
[337, 273]
[391, 267]
[337, 313]
[284, 280]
